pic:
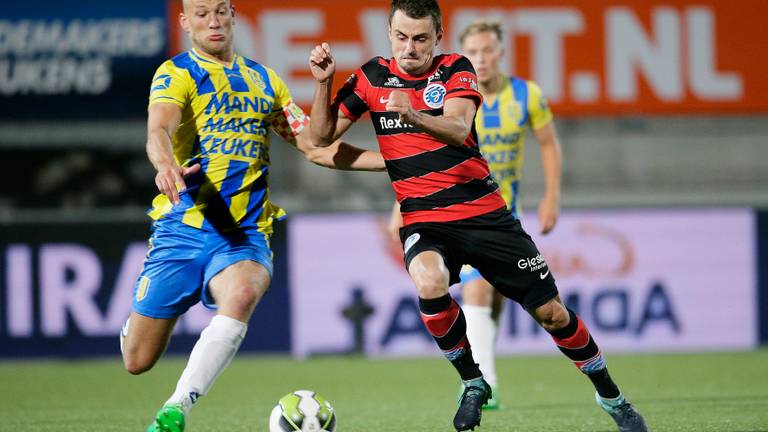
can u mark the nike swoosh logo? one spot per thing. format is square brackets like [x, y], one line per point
[543, 275]
[382, 100]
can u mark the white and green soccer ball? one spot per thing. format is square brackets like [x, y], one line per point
[302, 411]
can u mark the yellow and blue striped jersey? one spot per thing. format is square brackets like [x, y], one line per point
[501, 125]
[226, 112]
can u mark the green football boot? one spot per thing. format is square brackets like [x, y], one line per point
[493, 401]
[170, 418]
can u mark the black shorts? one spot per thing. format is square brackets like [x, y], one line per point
[496, 245]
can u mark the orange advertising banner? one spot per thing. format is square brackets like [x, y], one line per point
[595, 57]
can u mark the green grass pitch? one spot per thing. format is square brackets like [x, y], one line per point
[723, 392]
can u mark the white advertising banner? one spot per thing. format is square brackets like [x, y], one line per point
[645, 280]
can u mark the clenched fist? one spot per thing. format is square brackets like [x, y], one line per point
[400, 103]
[322, 63]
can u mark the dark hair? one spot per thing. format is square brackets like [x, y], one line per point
[418, 9]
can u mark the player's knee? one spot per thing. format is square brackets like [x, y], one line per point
[552, 316]
[429, 274]
[136, 364]
[431, 283]
[245, 296]
[477, 293]
[250, 294]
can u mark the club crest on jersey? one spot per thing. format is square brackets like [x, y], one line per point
[256, 78]
[434, 95]
[515, 111]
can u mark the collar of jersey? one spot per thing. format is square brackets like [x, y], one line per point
[497, 95]
[396, 70]
[200, 58]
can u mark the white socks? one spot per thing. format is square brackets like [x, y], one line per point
[481, 332]
[212, 353]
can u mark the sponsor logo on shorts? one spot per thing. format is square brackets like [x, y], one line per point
[410, 241]
[143, 288]
[533, 264]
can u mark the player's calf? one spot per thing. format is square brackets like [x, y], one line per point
[446, 323]
[574, 340]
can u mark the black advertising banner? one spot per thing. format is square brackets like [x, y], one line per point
[66, 289]
[82, 59]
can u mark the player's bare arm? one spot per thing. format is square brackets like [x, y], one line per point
[328, 123]
[453, 127]
[344, 156]
[339, 155]
[551, 160]
[162, 123]
[292, 125]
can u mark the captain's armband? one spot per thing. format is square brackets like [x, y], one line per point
[289, 122]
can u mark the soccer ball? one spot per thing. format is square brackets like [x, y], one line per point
[302, 411]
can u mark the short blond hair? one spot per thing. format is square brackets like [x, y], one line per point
[482, 26]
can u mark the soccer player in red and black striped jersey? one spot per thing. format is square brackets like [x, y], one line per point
[423, 107]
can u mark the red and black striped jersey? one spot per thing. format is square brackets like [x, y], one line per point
[433, 181]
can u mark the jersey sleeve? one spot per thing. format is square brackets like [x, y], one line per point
[170, 84]
[282, 93]
[462, 81]
[351, 96]
[540, 114]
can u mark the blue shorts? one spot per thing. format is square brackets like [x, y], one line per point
[182, 260]
[468, 274]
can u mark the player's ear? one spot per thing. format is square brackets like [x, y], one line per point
[232, 10]
[439, 36]
[184, 22]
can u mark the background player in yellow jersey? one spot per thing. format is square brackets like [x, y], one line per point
[209, 114]
[510, 106]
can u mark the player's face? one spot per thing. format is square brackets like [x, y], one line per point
[483, 49]
[413, 42]
[209, 24]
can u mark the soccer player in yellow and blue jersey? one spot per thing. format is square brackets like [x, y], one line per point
[210, 111]
[510, 107]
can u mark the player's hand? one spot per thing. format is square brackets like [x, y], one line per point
[549, 208]
[170, 180]
[399, 102]
[321, 63]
